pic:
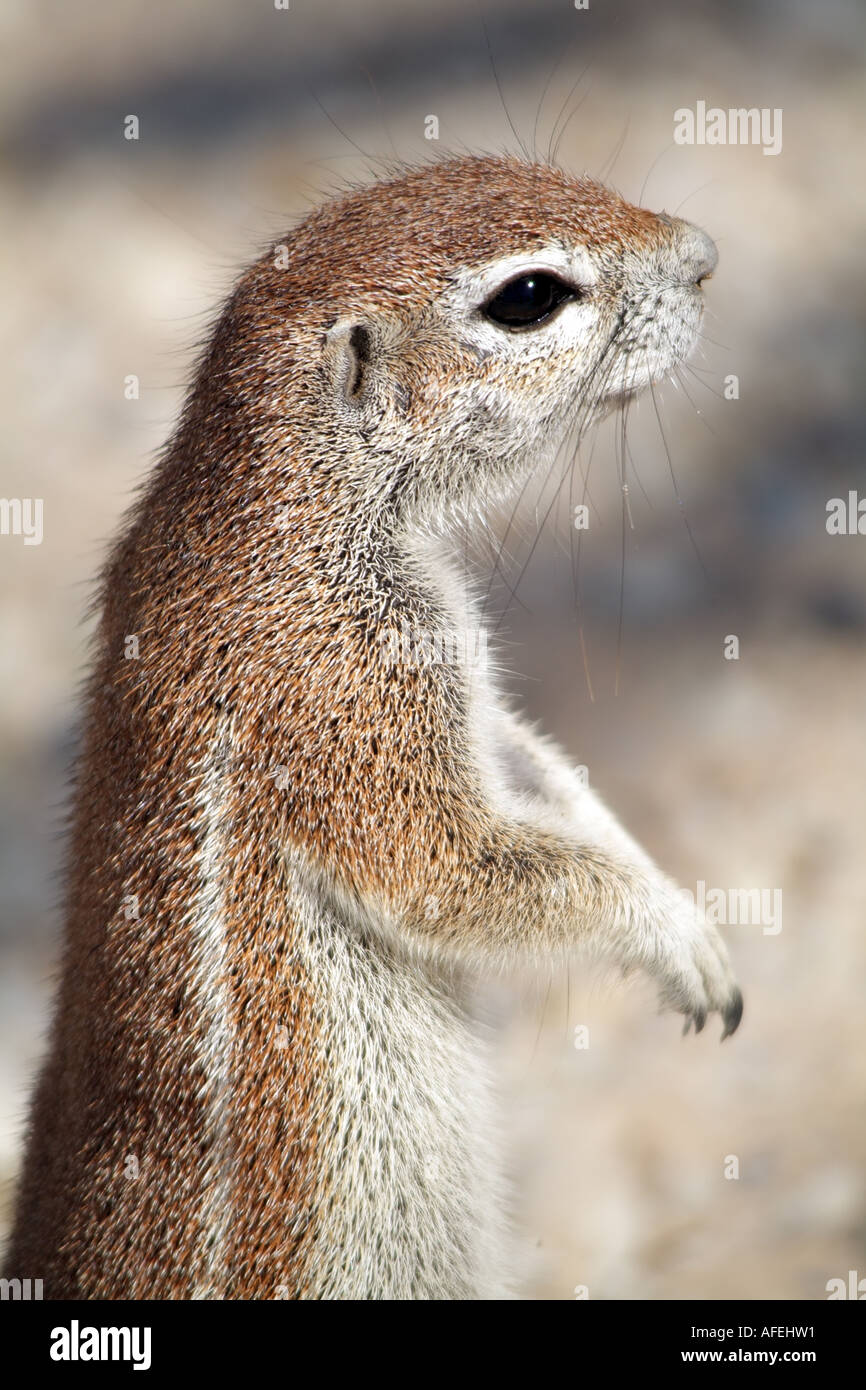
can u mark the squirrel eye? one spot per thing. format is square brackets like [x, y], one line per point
[528, 300]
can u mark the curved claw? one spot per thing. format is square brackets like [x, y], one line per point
[732, 1014]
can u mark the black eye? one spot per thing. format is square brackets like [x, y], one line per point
[528, 300]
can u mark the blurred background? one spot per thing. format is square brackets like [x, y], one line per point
[741, 774]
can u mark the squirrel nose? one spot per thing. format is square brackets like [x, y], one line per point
[703, 257]
[696, 253]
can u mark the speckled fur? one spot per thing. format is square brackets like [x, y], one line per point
[320, 840]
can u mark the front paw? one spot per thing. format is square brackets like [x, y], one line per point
[695, 973]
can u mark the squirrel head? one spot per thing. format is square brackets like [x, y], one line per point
[439, 333]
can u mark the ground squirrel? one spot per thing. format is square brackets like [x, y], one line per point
[288, 837]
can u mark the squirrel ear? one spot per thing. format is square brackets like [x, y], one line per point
[349, 350]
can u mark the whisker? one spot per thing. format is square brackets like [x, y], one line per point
[511, 523]
[553, 143]
[627, 524]
[645, 494]
[695, 191]
[679, 500]
[567, 123]
[668, 146]
[704, 421]
[553, 71]
[542, 1019]
[520, 145]
[584, 409]
[378, 100]
[372, 160]
[609, 166]
[576, 574]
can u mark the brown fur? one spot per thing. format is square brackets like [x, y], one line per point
[257, 588]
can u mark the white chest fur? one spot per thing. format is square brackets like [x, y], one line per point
[410, 1202]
